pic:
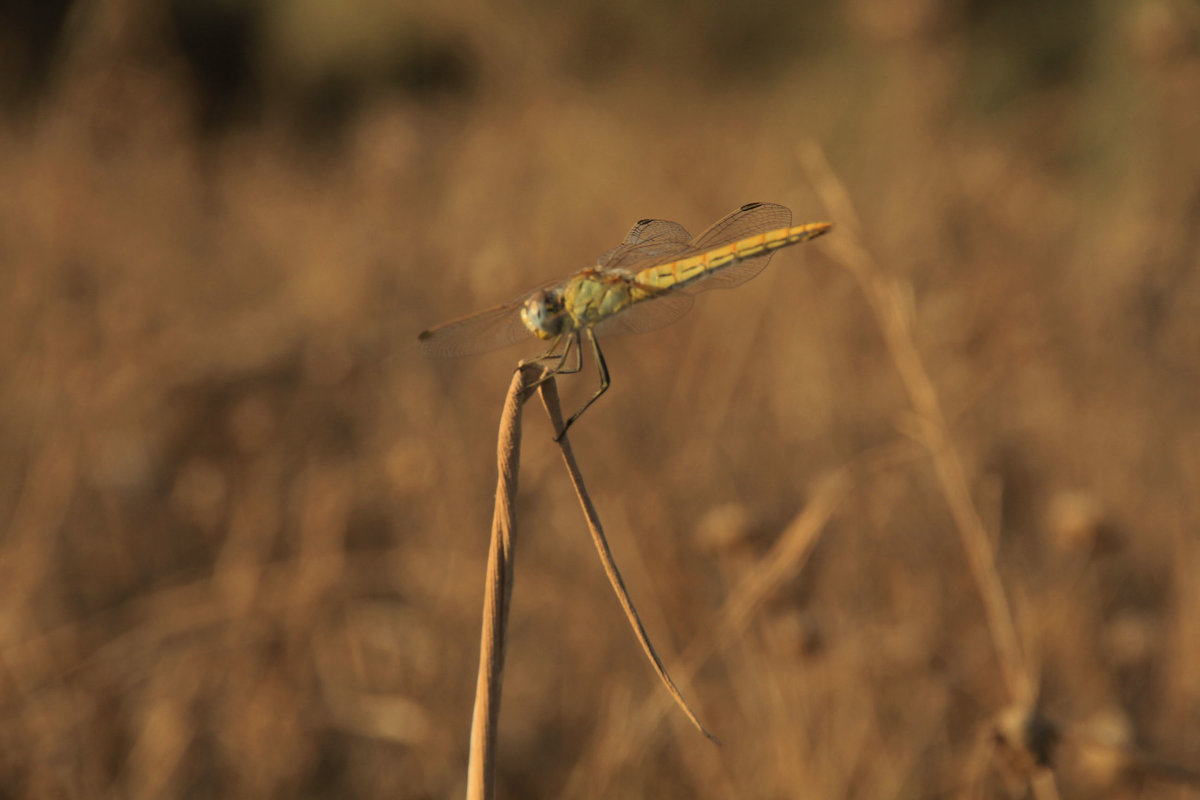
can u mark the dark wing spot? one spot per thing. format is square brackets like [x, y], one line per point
[423, 335]
[646, 221]
[749, 206]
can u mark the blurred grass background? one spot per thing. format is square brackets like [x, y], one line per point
[244, 525]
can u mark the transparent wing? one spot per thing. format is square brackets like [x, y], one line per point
[650, 242]
[749, 220]
[658, 241]
[501, 326]
[647, 316]
[478, 333]
[649, 239]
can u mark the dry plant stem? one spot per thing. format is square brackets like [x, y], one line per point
[887, 302]
[782, 563]
[549, 394]
[784, 560]
[481, 766]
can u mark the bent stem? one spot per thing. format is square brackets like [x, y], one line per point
[549, 395]
[481, 765]
[781, 564]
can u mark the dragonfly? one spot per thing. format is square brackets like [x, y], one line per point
[646, 282]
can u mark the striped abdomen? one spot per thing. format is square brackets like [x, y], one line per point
[694, 267]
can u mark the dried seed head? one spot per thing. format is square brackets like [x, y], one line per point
[724, 528]
[1076, 524]
[1025, 739]
[1103, 744]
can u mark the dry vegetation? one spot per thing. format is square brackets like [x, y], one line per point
[245, 525]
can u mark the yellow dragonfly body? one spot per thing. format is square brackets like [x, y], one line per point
[642, 284]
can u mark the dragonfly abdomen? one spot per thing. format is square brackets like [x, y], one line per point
[692, 268]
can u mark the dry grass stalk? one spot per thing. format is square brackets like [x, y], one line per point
[791, 550]
[485, 718]
[887, 302]
[549, 393]
[481, 766]
[781, 564]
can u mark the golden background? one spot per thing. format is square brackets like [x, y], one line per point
[244, 524]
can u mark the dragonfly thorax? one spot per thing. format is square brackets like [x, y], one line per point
[543, 314]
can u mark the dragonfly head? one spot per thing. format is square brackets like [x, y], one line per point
[543, 314]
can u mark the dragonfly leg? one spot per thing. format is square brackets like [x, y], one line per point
[560, 368]
[549, 354]
[604, 381]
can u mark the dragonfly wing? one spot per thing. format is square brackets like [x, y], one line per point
[749, 220]
[657, 230]
[488, 330]
[657, 241]
[649, 239]
[648, 315]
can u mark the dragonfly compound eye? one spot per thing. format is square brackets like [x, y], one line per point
[542, 314]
